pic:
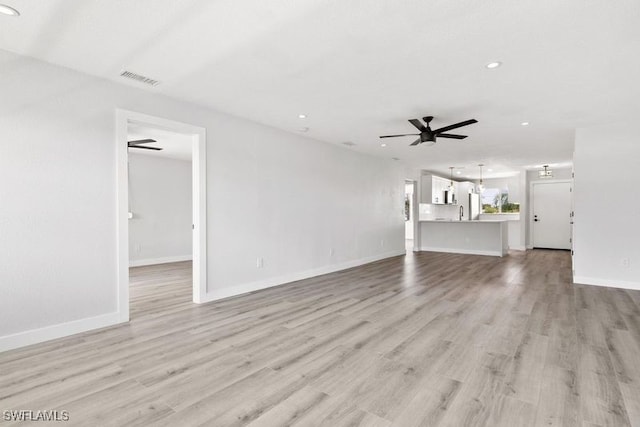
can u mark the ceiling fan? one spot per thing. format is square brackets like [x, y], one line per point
[138, 144]
[428, 135]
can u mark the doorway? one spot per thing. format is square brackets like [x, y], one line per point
[410, 213]
[551, 214]
[191, 135]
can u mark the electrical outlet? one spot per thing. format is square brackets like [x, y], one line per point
[259, 262]
[382, 243]
[138, 248]
[331, 252]
[625, 262]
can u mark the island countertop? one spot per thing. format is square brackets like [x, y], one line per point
[464, 221]
[479, 237]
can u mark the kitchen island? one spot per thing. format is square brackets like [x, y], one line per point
[465, 237]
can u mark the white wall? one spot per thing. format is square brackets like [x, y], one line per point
[160, 197]
[271, 194]
[607, 208]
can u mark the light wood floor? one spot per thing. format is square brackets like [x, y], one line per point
[427, 339]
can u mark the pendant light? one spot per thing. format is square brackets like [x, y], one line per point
[451, 187]
[480, 187]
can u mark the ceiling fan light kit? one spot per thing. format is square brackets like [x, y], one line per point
[428, 135]
[546, 173]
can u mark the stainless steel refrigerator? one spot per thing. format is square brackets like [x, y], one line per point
[474, 206]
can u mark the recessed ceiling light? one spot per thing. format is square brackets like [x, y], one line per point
[492, 65]
[490, 170]
[8, 10]
[525, 123]
[383, 145]
[302, 116]
[458, 172]
[303, 129]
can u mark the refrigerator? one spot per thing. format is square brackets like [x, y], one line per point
[474, 206]
[470, 203]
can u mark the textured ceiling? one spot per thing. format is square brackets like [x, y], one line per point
[360, 69]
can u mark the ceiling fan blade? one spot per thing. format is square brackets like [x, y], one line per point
[457, 125]
[141, 141]
[416, 142]
[145, 148]
[452, 136]
[404, 134]
[418, 124]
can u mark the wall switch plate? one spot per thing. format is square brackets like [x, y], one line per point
[259, 262]
[331, 252]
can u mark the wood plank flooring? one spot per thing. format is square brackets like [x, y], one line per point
[429, 339]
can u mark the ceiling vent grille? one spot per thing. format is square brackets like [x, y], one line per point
[348, 143]
[139, 78]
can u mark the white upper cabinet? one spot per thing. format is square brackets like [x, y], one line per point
[432, 189]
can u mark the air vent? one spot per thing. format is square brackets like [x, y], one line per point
[139, 78]
[349, 144]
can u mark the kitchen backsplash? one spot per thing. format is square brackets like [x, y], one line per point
[429, 211]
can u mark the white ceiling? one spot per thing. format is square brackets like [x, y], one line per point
[360, 69]
[174, 145]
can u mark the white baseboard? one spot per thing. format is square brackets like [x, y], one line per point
[462, 251]
[60, 330]
[163, 260]
[518, 248]
[281, 280]
[594, 281]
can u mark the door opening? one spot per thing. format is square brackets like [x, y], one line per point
[172, 236]
[410, 214]
[160, 215]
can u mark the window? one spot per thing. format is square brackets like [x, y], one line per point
[496, 200]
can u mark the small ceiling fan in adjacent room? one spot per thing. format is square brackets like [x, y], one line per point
[428, 135]
[138, 144]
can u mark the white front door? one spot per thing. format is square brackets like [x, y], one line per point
[552, 215]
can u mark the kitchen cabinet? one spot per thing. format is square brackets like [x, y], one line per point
[432, 189]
